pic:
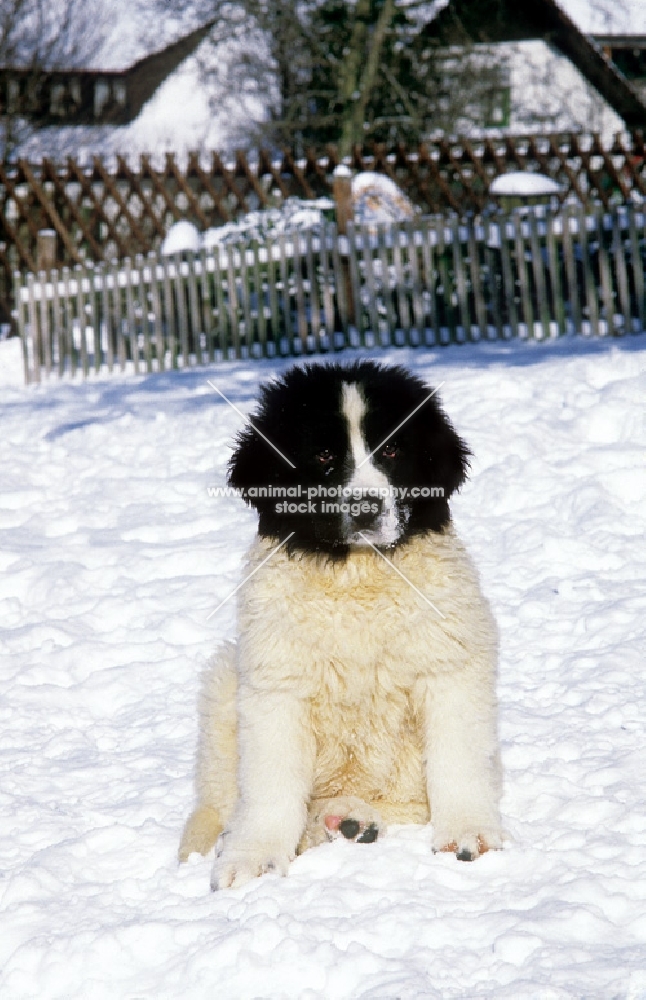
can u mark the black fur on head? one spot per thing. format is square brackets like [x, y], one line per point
[305, 416]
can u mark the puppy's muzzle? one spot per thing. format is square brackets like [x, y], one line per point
[367, 518]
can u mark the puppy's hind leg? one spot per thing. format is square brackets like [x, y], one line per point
[215, 773]
[201, 830]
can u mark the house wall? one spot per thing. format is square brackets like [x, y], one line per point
[519, 88]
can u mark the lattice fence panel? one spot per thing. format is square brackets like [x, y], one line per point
[103, 212]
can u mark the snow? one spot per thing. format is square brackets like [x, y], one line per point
[177, 118]
[182, 235]
[113, 555]
[523, 184]
[291, 214]
[375, 199]
[607, 17]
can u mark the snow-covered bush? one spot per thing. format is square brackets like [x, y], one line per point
[375, 199]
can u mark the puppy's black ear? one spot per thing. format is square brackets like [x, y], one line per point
[245, 461]
[254, 465]
[448, 453]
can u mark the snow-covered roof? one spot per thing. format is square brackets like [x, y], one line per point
[605, 17]
[618, 17]
[135, 35]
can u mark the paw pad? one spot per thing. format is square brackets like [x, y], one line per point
[369, 835]
[345, 816]
[352, 829]
[349, 828]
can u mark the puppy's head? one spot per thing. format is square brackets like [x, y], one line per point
[345, 457]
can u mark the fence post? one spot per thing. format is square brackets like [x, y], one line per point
[46, 250]
[21, 323]
[342, 191]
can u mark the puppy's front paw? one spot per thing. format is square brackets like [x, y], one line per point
[345, 816]
[239, 862]
[467, 843]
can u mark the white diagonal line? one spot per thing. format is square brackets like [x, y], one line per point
[249, 575]
[388, 436]
[248, 421]
[403, 575]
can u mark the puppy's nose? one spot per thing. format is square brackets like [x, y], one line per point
[371, 509]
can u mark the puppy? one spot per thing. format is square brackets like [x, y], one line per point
[362, 688]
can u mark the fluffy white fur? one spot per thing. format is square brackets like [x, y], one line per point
[347, 695]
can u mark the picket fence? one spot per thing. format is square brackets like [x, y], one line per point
[432, 281]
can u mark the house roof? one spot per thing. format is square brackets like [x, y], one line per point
[147, 74]
[623, 17]
[492, 21]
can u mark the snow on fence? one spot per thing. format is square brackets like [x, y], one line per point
[425, 282]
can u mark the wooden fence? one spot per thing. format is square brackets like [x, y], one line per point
[431, 281]
[102, 211]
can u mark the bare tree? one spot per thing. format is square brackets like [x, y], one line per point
[300, 72]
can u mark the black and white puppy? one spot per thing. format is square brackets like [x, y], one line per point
[361, 690]
[350, 429]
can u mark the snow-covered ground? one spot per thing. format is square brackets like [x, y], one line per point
[112, 556]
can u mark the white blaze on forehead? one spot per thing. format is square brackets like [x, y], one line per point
[365, 475]
[354, 408]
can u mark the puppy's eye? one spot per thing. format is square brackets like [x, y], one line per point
[325, 457]
[390, 451]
